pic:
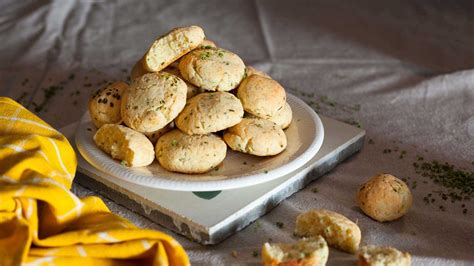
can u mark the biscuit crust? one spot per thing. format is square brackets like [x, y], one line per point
[190, 154]
[261, 97]
[307, 251]
[104, 105]
[210, 112]
[168, 48]
[387, 256]
[256, 136]
[125, 144]
[212, 69]
[384, 198]
[339, 231]
[152, 101]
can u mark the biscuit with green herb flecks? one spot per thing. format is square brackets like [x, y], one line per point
[384, 198]
[104, 105]
[210, 112]
[256, 136]
[125, 144]
[168, 48]
[190, 154]
[152, 101]
[212, 69]
[261, 97]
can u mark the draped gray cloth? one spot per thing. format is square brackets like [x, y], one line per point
[402, 71]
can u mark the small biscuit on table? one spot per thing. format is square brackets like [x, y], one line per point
[104, 105]
[261, 97]
[190, 154]
[132, 148]
[338, 231]
[212, 69]
[249, 70]
[168, 48]
[257, 137]
[210, 112]
[152, 101]
[386, 256]
[307, 251]
[192, 90]
[384, 198]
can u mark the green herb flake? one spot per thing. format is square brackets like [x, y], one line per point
[174, 143]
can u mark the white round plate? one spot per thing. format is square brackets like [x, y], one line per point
[305, 136]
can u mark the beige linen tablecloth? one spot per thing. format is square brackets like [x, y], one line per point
[402, 71]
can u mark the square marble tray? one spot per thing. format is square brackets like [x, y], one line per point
[189, 213]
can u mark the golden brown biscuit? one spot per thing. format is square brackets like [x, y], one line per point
[338, 231]
[256, 136]
[261, 97]
[190, 154]
[167, 49]
[210, 112]
[307, 251]
[125, 144]
[212, 69]
[104, 105]
[384, 198]
[382, 256]
[152, 101]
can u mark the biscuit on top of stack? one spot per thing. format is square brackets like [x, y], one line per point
[184, 90]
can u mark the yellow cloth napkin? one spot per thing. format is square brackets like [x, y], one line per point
[43, 223]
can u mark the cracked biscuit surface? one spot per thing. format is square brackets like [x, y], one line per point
[256, 136]
[210, 112]
[190, 154]
[125, 144]
[212, 69]
[168, 48]
[152, 101]
[339, 231]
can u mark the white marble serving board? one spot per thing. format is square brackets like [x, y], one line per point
[210, 217]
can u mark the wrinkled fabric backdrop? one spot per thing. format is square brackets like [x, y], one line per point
[402, 71]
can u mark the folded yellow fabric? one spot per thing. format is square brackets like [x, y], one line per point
[43, 223]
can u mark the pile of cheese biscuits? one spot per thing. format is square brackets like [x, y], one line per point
[188, 100]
